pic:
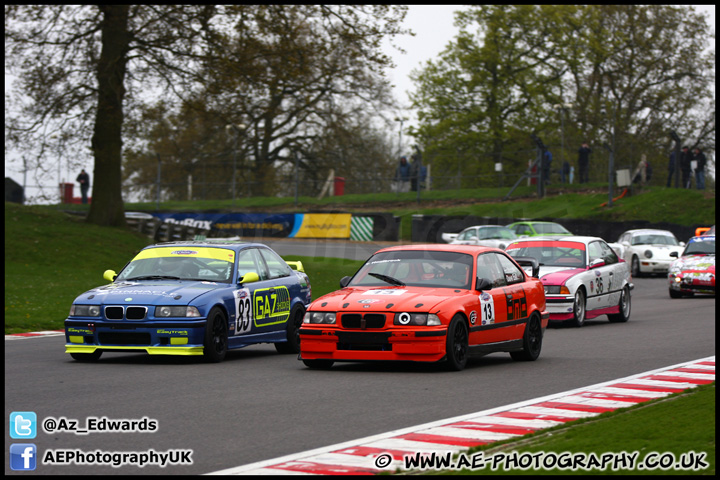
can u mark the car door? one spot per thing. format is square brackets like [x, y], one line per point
[619, 271]
[250, 295]
[284, 286]
[491, 321]
[602, 276]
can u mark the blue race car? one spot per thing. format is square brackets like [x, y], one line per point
[192, 298]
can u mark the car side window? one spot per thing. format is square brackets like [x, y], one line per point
[512, 273]
[594, 251]
[488, 267]
[248, 261]
[277, 267]
[471, 234]
[608, 254]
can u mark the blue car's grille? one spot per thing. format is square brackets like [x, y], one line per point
[120, 312]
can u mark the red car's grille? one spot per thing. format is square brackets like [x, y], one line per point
[359, 321]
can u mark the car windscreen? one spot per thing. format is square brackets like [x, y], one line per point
[700, 246]
[548, 228]
[184, 263]
[496, 233]
[416, 268]
[654, 240]
[552, 254]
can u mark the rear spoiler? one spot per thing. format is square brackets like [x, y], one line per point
[529, 262]
[297, 265]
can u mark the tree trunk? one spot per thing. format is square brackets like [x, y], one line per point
[107, 205]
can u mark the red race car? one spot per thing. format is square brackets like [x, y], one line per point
[428, 303]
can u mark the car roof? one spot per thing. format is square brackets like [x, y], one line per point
[212, 243]
[441, 247]
[640, 231]
[534, 221]
[553, 238]
[484, 226]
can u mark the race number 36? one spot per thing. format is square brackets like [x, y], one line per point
[243, 307]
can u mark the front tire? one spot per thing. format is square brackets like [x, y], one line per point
[319, 364]
[456, 346]
[216, 336]
[579, 307]
[635, 266]
[87, 357]
[532, 341]
[294, 322]
[624, 314]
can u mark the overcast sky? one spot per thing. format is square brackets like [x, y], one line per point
[433, 27]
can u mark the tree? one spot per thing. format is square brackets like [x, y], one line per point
[85, 65]
[631, 73]
[493, 82]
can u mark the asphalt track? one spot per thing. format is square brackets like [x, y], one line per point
[258, 405]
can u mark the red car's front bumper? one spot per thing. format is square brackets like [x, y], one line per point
[426, 345]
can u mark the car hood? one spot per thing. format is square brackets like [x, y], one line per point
[660, 252]
[696, 263]
[147, 293]
[558, 275]
[415, 299]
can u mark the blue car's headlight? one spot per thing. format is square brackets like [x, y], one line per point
[85, 310]
[176, 311]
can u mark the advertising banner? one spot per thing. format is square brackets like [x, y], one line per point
[322, 225]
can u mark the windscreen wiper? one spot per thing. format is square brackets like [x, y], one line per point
[390, 280]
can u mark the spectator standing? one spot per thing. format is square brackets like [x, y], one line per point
[685, 167]
[566, 172]
[700, 161]
[671, 168]
[583, 162]
[546, 163]
[402, 176]
[84, 180]
[416, 170]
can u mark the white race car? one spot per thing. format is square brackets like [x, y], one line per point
[496, 236]
[648, 250]
[582, 276]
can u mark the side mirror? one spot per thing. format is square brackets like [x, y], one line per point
[483, 284]
[598, 262]
[344, 281]
[674, 254]
[249, 277]
[110, 275]
[529, 262]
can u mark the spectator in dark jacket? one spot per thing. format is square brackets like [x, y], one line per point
[583, 162]
[685, 168]
[700, 161]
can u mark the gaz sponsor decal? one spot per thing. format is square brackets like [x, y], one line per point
[487, 309]
[243, 309]
[271, 306]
